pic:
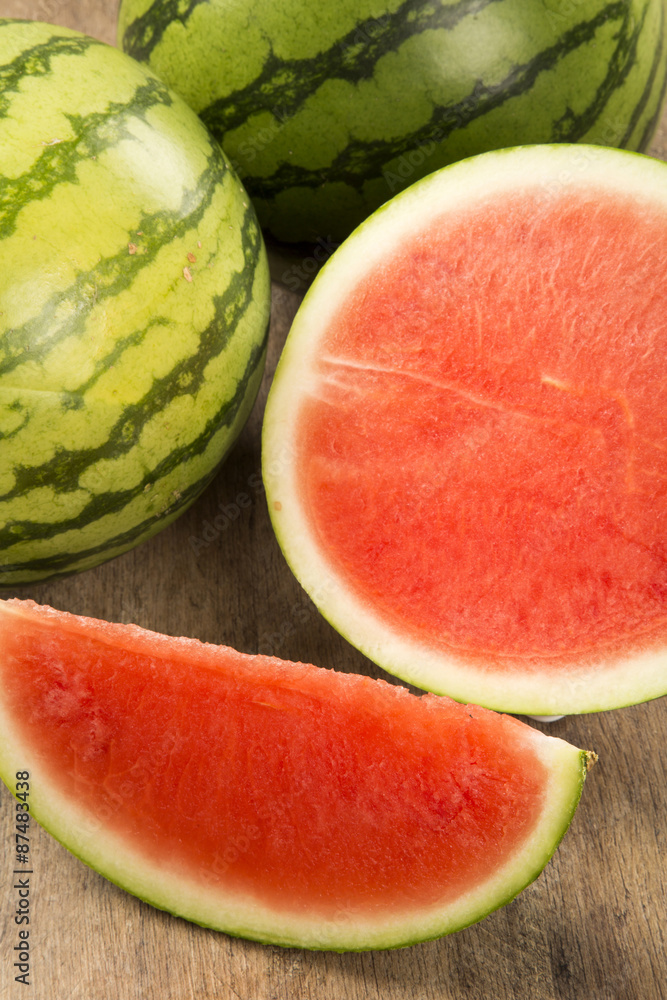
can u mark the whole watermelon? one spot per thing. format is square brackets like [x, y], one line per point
[329, 110]
[134, 303]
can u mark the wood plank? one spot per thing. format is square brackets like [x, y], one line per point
[590, 928]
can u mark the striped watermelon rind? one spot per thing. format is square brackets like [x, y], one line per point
[134, 313]
[622, 679]
[328, 114]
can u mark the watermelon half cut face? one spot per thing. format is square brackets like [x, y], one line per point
[274, 800]
[465, 445]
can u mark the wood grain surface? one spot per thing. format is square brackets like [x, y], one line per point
[590, 928]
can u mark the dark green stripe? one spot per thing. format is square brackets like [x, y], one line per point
[63, 470]
[361, 160]
[113, 502]
[650, 83]
[284, 85]
[67, 563]
[74, 400]
[111, 275]
[572, 127]
[145, 33]
[51, 567]
[16, 407]
[58, 163]
[36, 61]
[651, 124]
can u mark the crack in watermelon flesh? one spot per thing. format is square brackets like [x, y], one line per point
[483, 453]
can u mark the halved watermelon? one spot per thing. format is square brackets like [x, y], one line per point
[465, 445]
[274, 800]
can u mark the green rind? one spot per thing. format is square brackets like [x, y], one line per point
[75, 559]
[635, 678]
[327, 120]
[85, 836]
[161, 901]
[128, 371]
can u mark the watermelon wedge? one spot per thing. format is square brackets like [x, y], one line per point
[274, 800]
[465, 444]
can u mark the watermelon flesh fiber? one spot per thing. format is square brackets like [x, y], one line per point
[306, 792]
[522, 385]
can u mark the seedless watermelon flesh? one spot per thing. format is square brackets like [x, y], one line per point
[465, 446]
[269, 799]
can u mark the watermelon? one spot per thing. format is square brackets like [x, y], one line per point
[274, 800]
[465, 443]
[329, 111]
[133, 307]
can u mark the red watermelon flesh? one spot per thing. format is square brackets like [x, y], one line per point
[479, 453]
[523, 385]
[295, 803]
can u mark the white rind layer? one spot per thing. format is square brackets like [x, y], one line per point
[89, 838]
[554, 171]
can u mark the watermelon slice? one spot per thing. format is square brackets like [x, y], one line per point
[465, 445]
[274, 800]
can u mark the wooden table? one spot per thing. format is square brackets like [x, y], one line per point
[591, 927]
